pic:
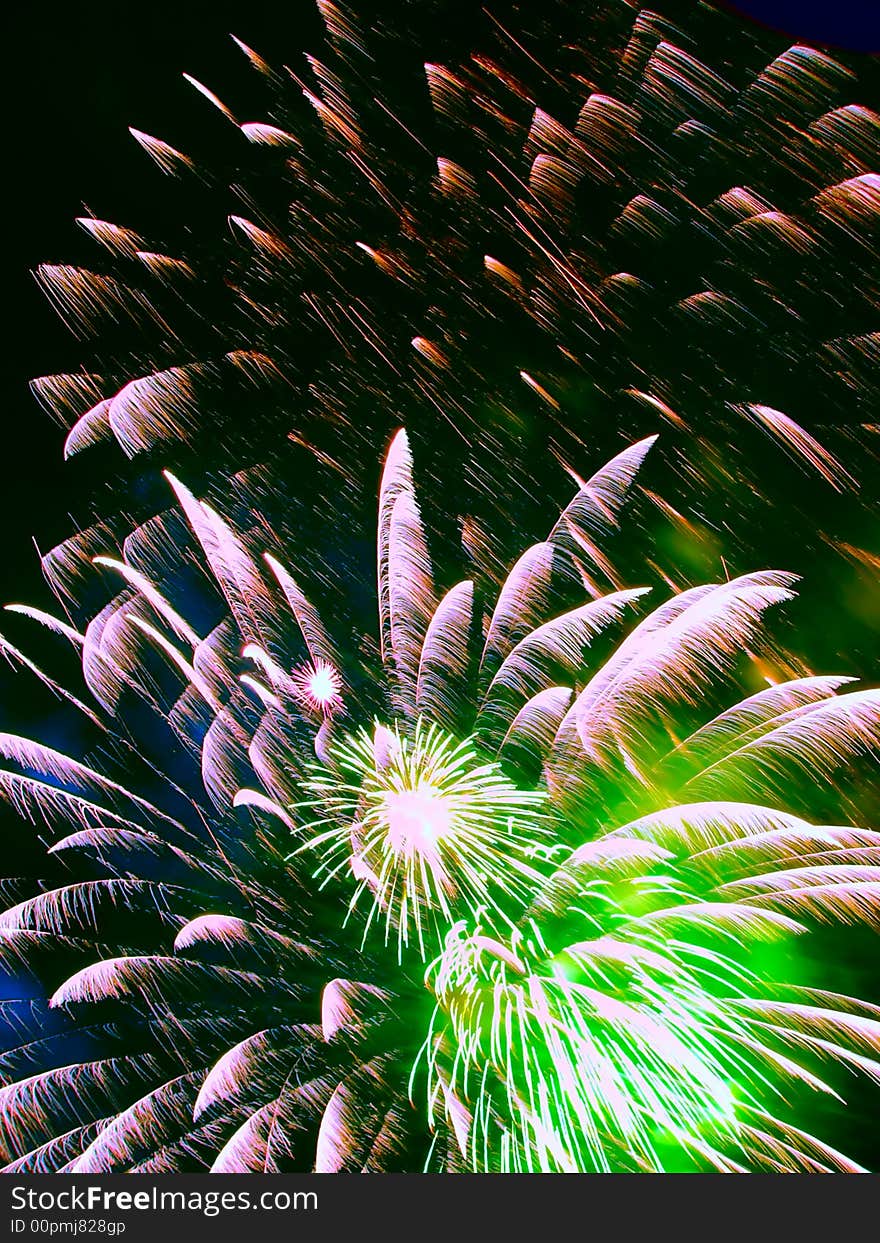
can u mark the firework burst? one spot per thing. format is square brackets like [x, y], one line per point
[597, 864]
[533, 874]
[568, 225]
[319, 687]
[425, 825]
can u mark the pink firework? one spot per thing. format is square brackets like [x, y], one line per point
[318, 687]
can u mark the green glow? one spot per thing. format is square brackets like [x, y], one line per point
[588, 1059]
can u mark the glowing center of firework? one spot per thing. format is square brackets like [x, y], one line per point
[417, 820]
[323, 685]
[319, 686]
[422, 820]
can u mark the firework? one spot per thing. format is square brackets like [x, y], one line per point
[569, 227]
[499, 857]
[424, 822]
[590, 879]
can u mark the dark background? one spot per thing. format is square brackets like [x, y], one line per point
[853, 24]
